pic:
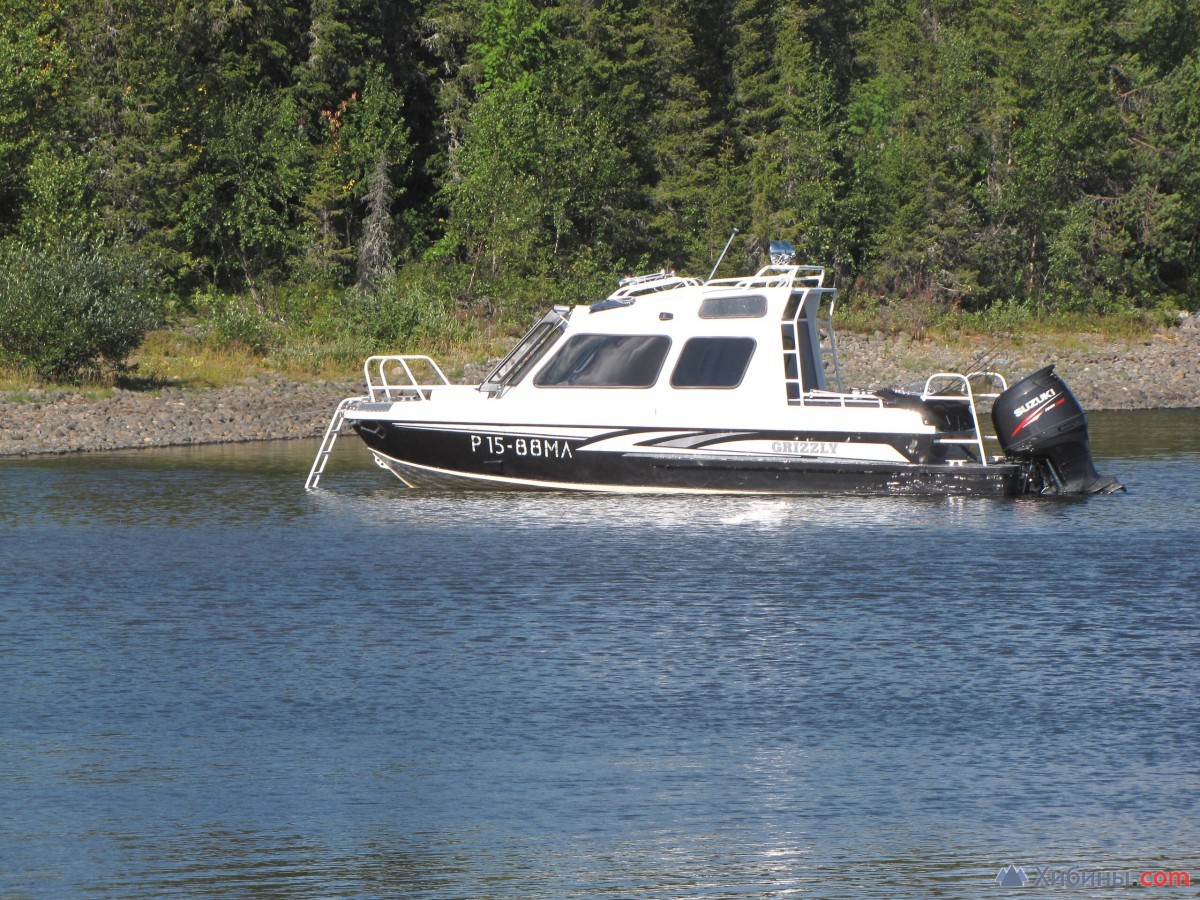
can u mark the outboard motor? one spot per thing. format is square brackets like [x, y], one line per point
[1039, 419]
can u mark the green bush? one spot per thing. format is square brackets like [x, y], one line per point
[412, 311]
[411, 317]
[68, 310]
[235, 320]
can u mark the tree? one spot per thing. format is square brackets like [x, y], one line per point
[126, 115]
[245, 175]
[33, 68]
[378, 150]
[666, 91]
[1157, 89]
[786, 113]
[913, 123]
[538, 178]
[953, 152]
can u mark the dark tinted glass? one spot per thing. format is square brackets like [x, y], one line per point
[750, 307]
[606, 360]
[713, 362]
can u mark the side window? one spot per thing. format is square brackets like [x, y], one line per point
[536, 344]
[606, 360]
[713, 362]
[752, 306]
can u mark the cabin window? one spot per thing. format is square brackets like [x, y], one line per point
[523, 357]
[753, 306]
[606, 360]
[713, 362]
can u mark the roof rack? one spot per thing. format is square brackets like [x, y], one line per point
[639, 285]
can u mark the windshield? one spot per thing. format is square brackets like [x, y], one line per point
[525, 355]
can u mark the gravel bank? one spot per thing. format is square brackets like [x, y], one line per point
[1160, 371]
[257, 410]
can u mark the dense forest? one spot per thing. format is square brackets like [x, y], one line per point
[951, 153]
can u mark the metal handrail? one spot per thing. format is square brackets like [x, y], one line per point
[653, 283]
[413, 390]
[772, 277]
[839, 399]
[968, 396]
[827, 324]
[965, 380]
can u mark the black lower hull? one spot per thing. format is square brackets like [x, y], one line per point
[423, 456]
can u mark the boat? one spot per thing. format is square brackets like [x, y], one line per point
[724, 385]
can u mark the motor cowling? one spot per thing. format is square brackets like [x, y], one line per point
[1038, 419]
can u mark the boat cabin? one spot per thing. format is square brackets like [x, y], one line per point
[770, 330]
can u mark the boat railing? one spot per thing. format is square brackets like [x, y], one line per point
[393, 377]
[383, 375]
[773, 277]
[840, 399]
[955, 387]
[826, 304]
[965, 382]
[640, 285]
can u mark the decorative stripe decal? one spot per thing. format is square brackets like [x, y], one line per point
[1037, 413]
[695, 439]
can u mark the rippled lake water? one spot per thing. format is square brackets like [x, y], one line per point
[215, 684]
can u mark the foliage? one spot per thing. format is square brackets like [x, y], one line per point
[68, 310]
[408, 315]
[944, 158]
[59, 207]
[378, 148]
[229, 320]
[244, 176]
[33, 66]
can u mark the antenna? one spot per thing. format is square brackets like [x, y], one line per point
[722, 256]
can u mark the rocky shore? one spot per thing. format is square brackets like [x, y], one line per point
[1160, 370]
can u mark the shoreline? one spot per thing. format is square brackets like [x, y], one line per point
[1156, 372]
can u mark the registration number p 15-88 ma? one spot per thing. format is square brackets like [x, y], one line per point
[505, 445]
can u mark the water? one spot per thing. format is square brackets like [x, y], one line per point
[214, 684]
